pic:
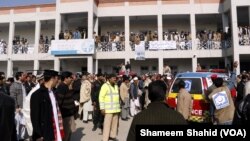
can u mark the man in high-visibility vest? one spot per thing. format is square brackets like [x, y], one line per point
[110, 107]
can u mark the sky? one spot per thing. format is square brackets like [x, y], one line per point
[12, 3]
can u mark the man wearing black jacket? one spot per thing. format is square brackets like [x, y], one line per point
[97, 116]
[158, 112]
[45, 114]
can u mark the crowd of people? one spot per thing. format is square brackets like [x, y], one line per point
[244, 35]
[20, 45]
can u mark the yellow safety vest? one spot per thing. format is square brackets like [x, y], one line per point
[109, 98]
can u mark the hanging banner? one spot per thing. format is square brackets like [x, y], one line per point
[72, 47]
[140, 51]
[157, 45]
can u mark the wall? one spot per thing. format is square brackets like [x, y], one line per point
[4, 32]
[48, 29]
[46, 65]
[111, 26]
[73, 65]
[23, 66]
[3, 67]
[26, 31]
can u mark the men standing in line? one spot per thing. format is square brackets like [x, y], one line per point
[45, 114]
[66, 104]
[85, 98]
[97, 116]
[110, 107]
[124, 93]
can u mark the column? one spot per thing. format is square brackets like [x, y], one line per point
[11, 36]
[90, 64]
[127, 60]
[96, 66]
[249, 15]
[225, 22]
[237, 58]
[160, 27]
[9, 68]
[160, 65]
[193, 31]
[90, 19]
[36, 67]
[235, 38]
[37, 35]
[58, 26]
[127, 33]
[96, 25]
[56, 64]
[194, 63]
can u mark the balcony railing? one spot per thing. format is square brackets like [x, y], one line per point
[213, 45]
[244, 40]
[3, 48]
[23, 49]
[110, 46]
[44, 48]
[166, 45]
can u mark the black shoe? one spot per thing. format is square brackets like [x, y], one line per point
[124, 119]
[113, 139]
[85, 121]
[94, 128]
[127, 118]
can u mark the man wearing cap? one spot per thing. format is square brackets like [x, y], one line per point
[45, 114]
[110, 107]
[134, 97]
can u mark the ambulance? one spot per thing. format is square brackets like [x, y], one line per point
[197, 84]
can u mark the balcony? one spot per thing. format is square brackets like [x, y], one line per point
[3, 47]
[23, 49]
[110, 46]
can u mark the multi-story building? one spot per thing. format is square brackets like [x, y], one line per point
[179, 33]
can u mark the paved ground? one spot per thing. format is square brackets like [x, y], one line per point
[84, 131]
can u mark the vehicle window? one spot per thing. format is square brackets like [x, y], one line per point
[193, 85]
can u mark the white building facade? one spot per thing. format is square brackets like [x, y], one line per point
[165, 18]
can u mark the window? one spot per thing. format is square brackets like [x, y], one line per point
[195, 85]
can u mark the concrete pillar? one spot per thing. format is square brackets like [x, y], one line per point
[127, 60]
[237, 58]
[57, 26]
[90, 64]
[90, 19]
[249, 15]
[96, 66]
[11, 37]
[127, 33]
[37, 35]
[194, 63]
[9, 68]
[96, 25]
[160, 65]
[193, 31]
[56, 64]
[160, 27]
[225, 22]
[36, 66]
[234, 29]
